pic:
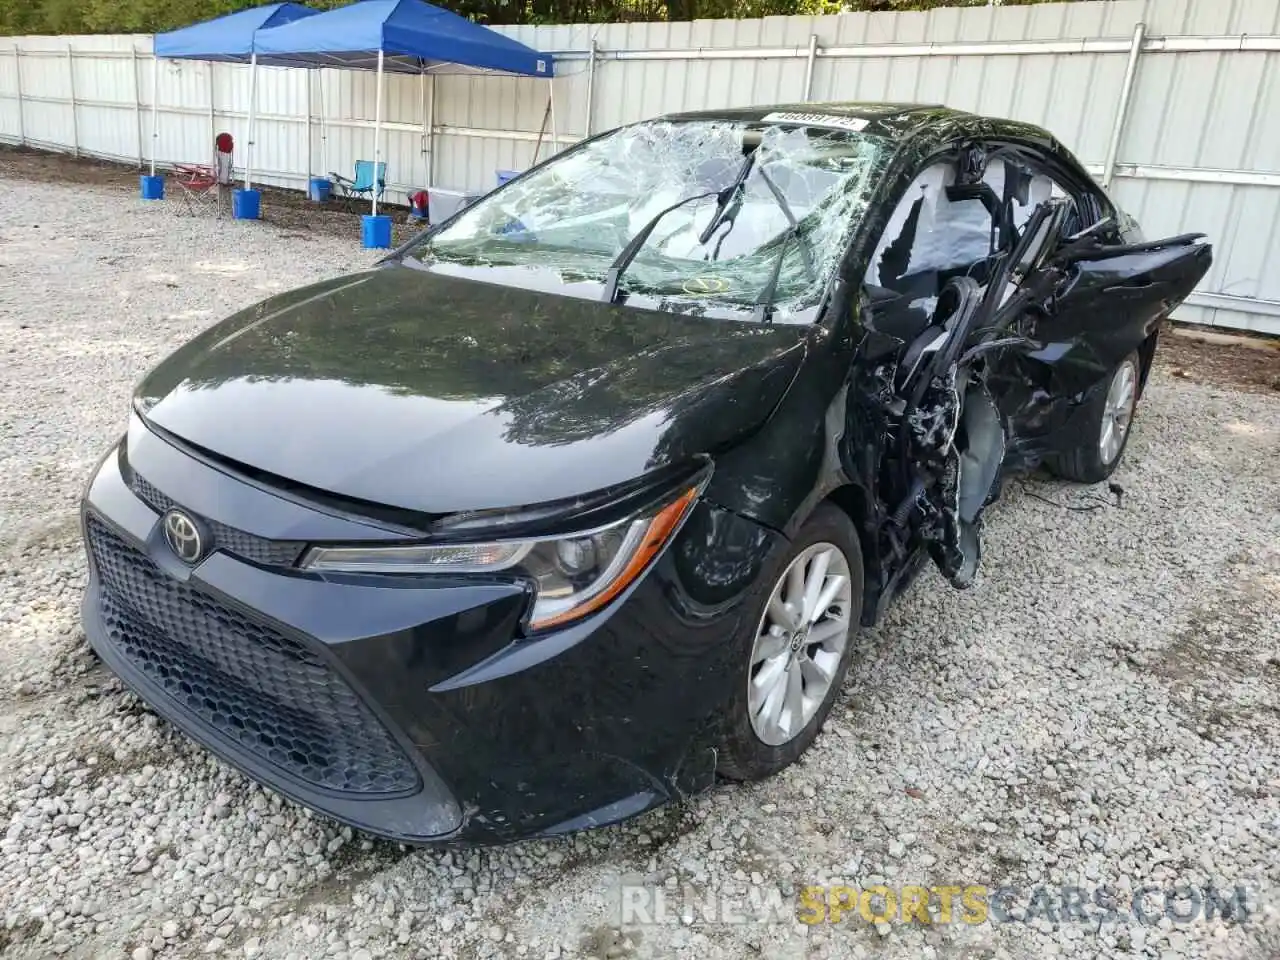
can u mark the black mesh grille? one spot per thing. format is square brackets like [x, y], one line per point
[275, 553]
[244, 679]
[149, 493]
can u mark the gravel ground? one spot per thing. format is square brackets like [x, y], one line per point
[1103, 708]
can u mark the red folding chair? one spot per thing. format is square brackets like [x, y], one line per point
[201, 186]
[198, 186]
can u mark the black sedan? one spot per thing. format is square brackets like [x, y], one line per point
[577, 501]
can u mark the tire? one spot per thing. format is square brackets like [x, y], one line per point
[1095, 459]
[752, 750]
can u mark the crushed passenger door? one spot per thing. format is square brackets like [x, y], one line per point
[952, 434]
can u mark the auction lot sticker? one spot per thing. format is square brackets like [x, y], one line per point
[856, 124]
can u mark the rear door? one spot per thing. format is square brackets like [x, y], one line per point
[1108, 302]
[1103, 296]
[1100, 303]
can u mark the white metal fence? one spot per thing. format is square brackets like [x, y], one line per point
[1175, 103]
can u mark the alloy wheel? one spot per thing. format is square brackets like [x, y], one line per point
[1117, 412]
[799, 643]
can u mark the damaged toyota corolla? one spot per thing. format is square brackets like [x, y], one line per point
[576, 501]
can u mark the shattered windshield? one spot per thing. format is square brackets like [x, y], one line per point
[758, 211]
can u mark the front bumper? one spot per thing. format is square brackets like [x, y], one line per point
[408, 706]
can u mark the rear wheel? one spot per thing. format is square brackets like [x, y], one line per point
[797, 654]
[1110, 414]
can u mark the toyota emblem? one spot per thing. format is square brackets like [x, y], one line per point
[705, 286]
[183, 536]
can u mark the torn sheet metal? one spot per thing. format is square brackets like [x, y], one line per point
[959, 466]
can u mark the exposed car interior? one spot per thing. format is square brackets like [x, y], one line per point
[957, 219]
[967, 221]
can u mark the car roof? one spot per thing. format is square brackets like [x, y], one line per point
[896, 121]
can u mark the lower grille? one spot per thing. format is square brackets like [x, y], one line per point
[251, 683]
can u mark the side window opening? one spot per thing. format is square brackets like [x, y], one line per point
[1035, 185]
[931, 236]
[1021, 188]
[941, 229]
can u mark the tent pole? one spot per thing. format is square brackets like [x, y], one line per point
[324, 132]
[542, 133]
[551, 99]
[422, 113]
[431, 135]
[213, 119]
[253, 105]
[377, 133]
[155, 96]
[310, 148]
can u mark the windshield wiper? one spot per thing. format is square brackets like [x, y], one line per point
[629, 252]
[726, 196]
[791, 218]
[763, 311]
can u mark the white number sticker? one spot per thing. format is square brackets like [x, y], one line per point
[856, 124]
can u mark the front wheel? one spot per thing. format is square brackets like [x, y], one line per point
[1109, 415]
[798, 652]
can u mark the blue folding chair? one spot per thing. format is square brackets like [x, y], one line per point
[364, 184]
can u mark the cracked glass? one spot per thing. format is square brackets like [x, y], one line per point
[801, 190]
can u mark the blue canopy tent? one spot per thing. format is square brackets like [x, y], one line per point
[398, 36]
[406, 36]
[226, 39]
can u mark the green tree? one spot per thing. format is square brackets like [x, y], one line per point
[150, 16]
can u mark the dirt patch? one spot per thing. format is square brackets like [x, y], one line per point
[42, 166]
[288, 209]
[606, 941]
[1254, 367]
[18, 935]
[1220, 664]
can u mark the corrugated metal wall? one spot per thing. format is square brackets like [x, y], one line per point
[1196, 151]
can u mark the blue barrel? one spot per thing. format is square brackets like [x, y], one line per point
[507, 175]
[246, 204]
[152, 187]
[318, 189]
[375, 232]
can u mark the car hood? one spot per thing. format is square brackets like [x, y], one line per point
[436, 394]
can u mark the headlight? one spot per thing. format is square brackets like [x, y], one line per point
[573, 575]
